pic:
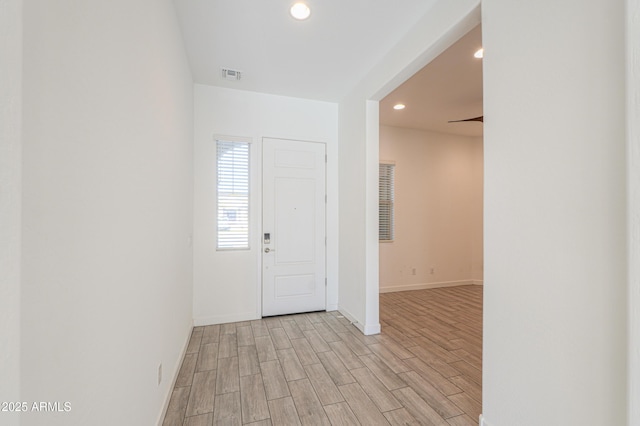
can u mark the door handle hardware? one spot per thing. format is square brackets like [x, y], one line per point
[268, 250]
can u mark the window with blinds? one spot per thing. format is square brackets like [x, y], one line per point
[232, 195]
[386, 195]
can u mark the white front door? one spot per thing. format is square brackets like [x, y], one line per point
[293, 227]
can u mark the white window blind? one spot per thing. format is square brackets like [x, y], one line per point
[386, 195]
[233, 195]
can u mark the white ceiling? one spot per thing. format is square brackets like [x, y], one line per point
[326, 55]
[448, 88]
[320, 58]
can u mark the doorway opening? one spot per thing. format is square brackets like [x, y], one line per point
[438, 176]
[431, 270]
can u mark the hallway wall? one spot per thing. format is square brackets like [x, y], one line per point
[555, 343]
[107, 209]
[10, 205]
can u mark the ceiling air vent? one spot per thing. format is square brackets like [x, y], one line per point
[229, 74]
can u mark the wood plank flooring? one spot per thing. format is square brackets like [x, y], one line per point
[318, 369]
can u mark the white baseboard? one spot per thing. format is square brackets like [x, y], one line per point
[370, 329]
[176, 371]
[350, 317]
[366, 329]
[408, 287]
[223, 319]
[243, 316]
[483, 421]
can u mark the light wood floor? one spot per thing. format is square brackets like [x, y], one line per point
[318, 369]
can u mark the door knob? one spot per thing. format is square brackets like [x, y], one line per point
[268, 250]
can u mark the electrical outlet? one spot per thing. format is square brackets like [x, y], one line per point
[159, 373]
[413, 271]
[432, 270]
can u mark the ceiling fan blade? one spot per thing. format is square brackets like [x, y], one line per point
[480, 119]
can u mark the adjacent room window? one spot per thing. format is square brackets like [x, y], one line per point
[233, 194]
[386, 195]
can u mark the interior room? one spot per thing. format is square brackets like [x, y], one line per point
[112, 119]
[438, 167]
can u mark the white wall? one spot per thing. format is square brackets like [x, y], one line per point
[227, 284]
[107, 208]
[477, 211]
[358, 132]
[10, 206]
[438, 210]
[555, 213]
[633, 190]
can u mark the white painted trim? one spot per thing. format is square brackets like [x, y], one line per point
[423, 286]
[633, 214]
[223, 319]
[366, 329]
[372, 247]
[350, 317]
[332, 307]
[483, 421]
[370, 329]
[176, 371]
[259, 224]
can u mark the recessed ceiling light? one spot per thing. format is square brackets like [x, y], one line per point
[398, 106]
[300, 11]
[479, 53]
